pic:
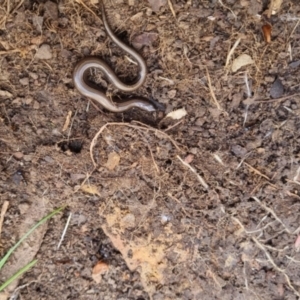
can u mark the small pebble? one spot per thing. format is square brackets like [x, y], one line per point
[238, 150]
[24, 81]
[277, 89]
[18, 155]
[295, 64]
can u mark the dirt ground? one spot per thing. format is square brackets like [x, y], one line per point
[201, 206]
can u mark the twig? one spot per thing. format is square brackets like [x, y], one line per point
[65, 230]
[201, 180]
[131, 60]
[171, 8]
[243, 159]
[15, 294]
[87, 8]
[249, 94]
[69, 133]
[245, 276]
[67, 122]
[172, 126]
[144, 127]
[231, 51]
[3, 212]
[212, 91]
[218, 159]
[179, 202]
[270, 259]
[151, 153]
[295, 179]
[235, 16]
[297, 24]
[10, 12]
[256, 171]
[272, 213]
[293, 259]
[10, 51]
[252, 231]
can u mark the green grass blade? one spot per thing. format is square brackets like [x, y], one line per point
[19, 273]
[12, 249]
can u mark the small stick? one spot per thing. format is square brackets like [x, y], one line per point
[201, 180]
[249, 94]
[144, 127]
[272, 213]
[69, 133]
[64, 232]
[256, 171]
[87, 8]
[172, 126]
[211, 90]
[171, 8]
[151, 153]
[297, 24]
[220, 1]
[3, 212]
[10, 51]
[67, 121]
[181, 206]
[231, 51]
[270, 259]
[259, 230]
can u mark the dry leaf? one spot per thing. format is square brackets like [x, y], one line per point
[90, 189]
[267, 29]
[99, 269]
[113, 161]
[177, 114]
[241, 61]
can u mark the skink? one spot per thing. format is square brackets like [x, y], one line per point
[87, 89]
